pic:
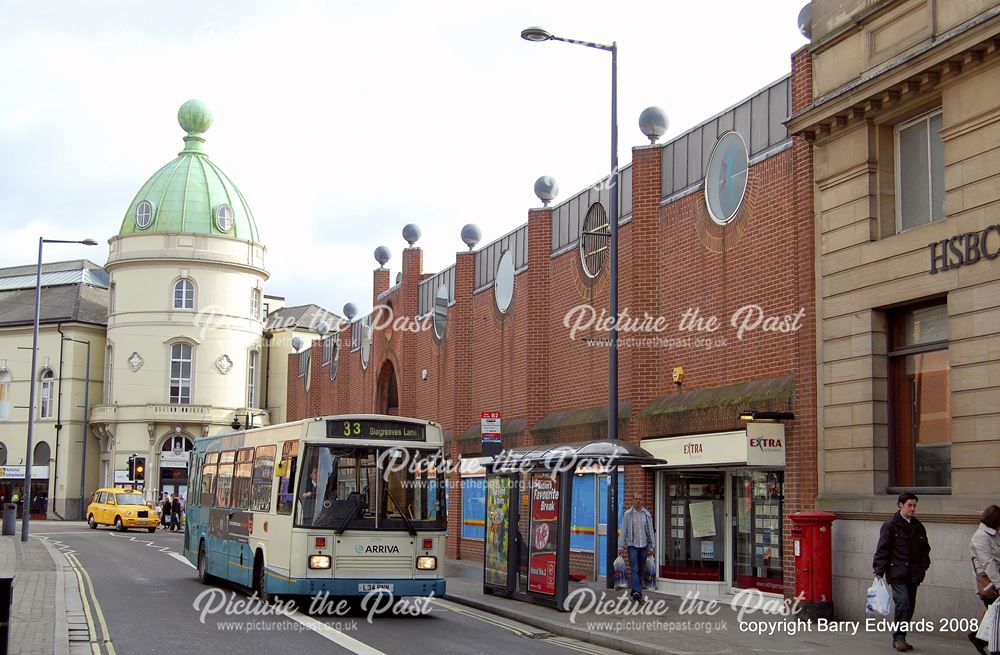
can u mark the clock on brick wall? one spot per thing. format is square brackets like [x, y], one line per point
[726, 178]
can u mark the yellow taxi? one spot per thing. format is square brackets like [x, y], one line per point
[122, 508]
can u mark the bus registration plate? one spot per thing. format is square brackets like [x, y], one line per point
[375, 587]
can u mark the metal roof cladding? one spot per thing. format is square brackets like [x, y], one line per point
[186, 195]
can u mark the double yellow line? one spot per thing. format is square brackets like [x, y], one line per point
[88, 595]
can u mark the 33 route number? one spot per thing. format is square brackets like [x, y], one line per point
[352, 428]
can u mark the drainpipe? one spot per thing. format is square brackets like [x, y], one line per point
[267, 368]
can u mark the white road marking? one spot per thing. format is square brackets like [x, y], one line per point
[182, 560]
[332, 634]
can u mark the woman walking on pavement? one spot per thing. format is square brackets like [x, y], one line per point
[985, 552]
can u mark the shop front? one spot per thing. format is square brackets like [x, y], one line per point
[719, 510]
[12, 489]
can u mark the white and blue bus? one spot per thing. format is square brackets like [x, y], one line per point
[345, 505]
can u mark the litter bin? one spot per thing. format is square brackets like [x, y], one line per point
[6, 596]
[9, 519]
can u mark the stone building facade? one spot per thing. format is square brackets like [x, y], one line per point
[905, 124]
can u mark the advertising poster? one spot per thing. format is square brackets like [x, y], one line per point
[497, 529]
[544, 534]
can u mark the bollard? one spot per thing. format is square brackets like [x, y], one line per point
[9, 519]
[6, 596]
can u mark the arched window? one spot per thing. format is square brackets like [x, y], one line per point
[183, 294]
[181, 373]
[109, 368]
[42, 454]
[5, 379]
[47, 399]
[252, 379]
[112, 298]
[177, 445]
[3, 454]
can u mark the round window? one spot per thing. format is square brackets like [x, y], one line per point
[594, 240]
[503, 289]
[143, 215]
[335, 362]
[224, 218]
[366, 346]
[441, 311]
[726, 178]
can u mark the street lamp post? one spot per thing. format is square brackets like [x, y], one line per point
[86, 428]
[537, 34]
[26, 513]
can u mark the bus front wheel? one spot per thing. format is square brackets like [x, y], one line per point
[260, 579]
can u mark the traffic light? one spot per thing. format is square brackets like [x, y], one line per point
[131, 467]
[139, 467]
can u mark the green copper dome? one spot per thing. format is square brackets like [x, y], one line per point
[191, 194]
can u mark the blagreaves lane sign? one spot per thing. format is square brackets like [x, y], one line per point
[965, 249]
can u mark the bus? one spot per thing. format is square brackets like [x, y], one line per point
[345, 505]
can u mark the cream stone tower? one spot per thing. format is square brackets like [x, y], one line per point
[184, 353]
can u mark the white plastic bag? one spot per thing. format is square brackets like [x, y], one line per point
[621, 573]
[989, 627]
[878, 597]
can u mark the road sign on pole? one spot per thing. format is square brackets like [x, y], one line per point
[490, 426]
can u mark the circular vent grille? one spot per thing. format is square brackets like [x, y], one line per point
[594, 240]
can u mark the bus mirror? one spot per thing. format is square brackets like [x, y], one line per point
[281, 469]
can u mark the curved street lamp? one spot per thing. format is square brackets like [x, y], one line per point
[26, 494]
[537, 35]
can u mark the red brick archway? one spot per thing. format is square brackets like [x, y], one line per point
[387, 401]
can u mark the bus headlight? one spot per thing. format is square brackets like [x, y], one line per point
[319, 561]
[427, 563]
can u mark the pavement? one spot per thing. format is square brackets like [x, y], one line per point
[38, 624]
[667, 625]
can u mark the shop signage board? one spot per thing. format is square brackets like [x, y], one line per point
[17, 472]
[761, 444]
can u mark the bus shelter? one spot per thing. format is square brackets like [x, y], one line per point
[529, 499]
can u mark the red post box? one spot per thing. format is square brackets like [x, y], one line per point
[813, 550]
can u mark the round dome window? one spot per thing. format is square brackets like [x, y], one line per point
[224, 218]
[144, 214]
[504, 287]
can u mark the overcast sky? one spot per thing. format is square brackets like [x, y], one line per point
[343, 121]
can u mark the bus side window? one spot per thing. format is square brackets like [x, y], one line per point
[194, 489]
[224, 485]
[286, 483]
[241, 483]
[208, 472]
[263, 476]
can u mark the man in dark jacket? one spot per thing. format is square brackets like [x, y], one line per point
[175, 513]
[903, 557]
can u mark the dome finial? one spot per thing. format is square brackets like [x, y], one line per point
[195, 118]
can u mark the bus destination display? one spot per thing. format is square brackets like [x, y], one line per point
[385, 430]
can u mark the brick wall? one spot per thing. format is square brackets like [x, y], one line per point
[672, 259]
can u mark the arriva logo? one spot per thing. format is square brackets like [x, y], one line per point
[376, 549]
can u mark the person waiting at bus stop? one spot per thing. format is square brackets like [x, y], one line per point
[639, 539]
